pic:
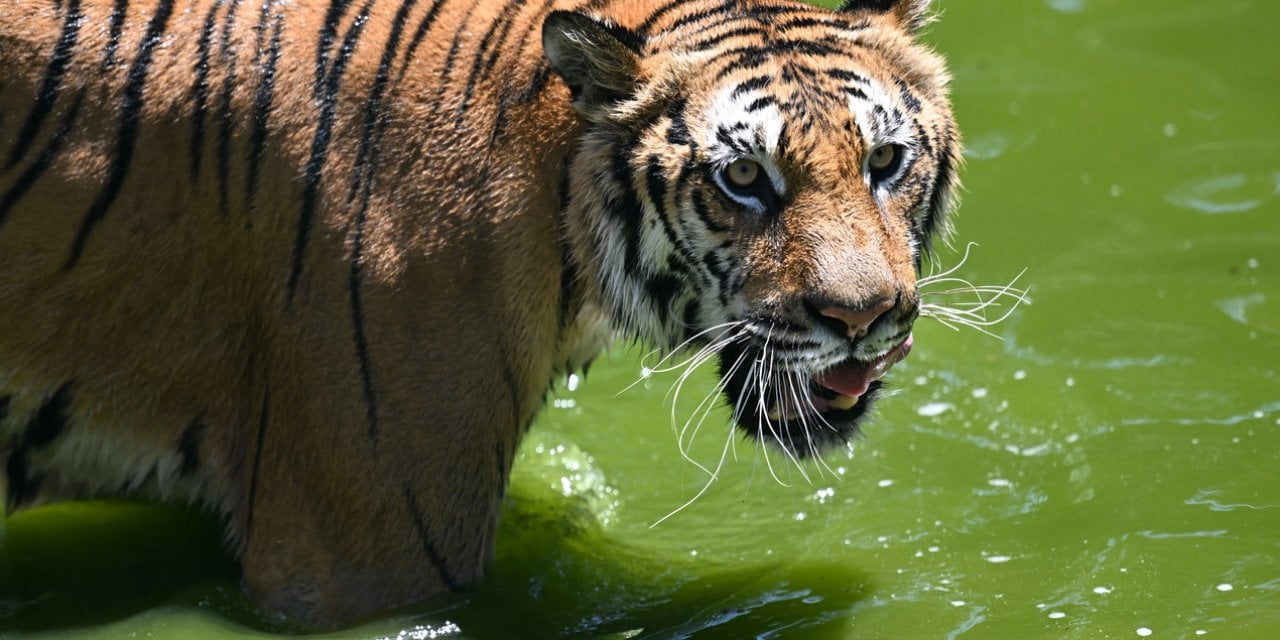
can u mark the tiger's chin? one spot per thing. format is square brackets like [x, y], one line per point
[803, 413]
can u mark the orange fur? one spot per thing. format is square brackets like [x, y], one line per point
[319, 279]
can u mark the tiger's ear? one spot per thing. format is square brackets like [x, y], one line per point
[597, 59]
[911, 14]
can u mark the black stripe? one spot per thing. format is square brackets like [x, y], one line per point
[700, 210]
[754, 84]
[324, 41]
[662, 289]
[226, 122]
[114, 28]
[625, 207]
[50, 421]
[847, 76]
[751, 31]
[50, 84]
[908, 99]
[263, 419]
[668, 7]
[678, 129]
[761, 103]
[366, 164]
[328, 98]
[36, 169]
[22, 487]
[825, 21]
[446, 69]
[262, 112]
[4, 407]
[942, 185]
[200, 88]
[424, 25]
[492, 42]
[359, 337]
[189, 446]
[429, 547]
[129, 112]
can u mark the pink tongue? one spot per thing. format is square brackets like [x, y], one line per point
[852, 378]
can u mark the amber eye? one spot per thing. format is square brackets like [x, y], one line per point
[883, 163]
[742, 173]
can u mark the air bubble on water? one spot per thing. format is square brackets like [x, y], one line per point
[885, 483]
[1056, 615]
[1116, 191]
[919, 554]
[934, 549]
[999, 482]
[800, 516]
[980, 392]
[1071, 382]
[1201, 632]
[1019, 375]
[573, 381]
[1073, 438]
[1170, 130]
[1102, 591]
[1253, 263]
[1226, 586]
[645, 372]
[1143, 631]
[998, 559]
[957, 603]
[921, 381]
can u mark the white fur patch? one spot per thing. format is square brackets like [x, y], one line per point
[755, 136]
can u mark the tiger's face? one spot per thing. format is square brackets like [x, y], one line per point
[762, 193]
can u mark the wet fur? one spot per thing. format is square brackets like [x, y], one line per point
[314, 266]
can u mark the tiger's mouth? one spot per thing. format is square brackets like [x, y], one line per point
[805, 413]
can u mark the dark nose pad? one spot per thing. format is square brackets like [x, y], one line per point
[855, 322]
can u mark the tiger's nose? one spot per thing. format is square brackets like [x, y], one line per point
[855, 322]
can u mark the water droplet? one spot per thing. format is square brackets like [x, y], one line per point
[885, 483]
[1102, 590]
[1056, 615]
[1224, 587]
[957, 603]
[1019, 375]
[1143, 631]
[572, 383]
[999, 559]
[980, 392]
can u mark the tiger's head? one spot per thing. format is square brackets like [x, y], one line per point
[761, 187]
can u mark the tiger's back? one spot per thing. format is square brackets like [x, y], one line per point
[199, 235]
[314, 266]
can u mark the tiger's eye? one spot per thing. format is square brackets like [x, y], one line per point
[882, 157]
[742, 172]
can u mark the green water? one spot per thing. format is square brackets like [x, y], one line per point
[1110, 469]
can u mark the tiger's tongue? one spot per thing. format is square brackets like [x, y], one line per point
[852, 378]
[847, 378]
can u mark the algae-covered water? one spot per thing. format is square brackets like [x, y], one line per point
[1110, 468]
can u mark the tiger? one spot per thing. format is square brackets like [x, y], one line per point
[314, 267]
